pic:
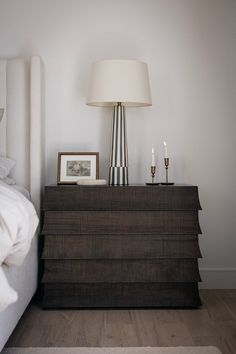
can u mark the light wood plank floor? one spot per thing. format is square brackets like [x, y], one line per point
[213, 324]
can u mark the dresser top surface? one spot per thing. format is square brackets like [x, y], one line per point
[60, 186]
[132, 197]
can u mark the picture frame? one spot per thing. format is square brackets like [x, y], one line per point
[73, 166]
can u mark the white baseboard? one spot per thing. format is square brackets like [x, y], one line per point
[218, 278]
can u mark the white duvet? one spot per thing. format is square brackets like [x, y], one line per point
[18, 223]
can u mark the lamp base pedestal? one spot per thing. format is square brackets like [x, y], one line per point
[118, 176]
[118, 170]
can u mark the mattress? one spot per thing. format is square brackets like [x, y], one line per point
[24, 281]
[22, 190]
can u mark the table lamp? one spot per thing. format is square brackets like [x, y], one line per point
[119, 83]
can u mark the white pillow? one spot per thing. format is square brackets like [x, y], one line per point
[6, 166]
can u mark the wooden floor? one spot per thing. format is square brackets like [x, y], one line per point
[213, 324]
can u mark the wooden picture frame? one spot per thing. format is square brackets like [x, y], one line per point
[73, 166]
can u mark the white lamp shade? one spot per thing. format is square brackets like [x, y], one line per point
[124, 81]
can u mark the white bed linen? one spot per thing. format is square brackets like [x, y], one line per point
[18, 223]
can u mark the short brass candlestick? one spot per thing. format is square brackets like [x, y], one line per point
[166, 162]
[153, 172]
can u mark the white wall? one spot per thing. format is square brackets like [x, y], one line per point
[190, 47]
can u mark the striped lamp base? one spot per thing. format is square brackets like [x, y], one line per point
[118, 171]
[118, 176]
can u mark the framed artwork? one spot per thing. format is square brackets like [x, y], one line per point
[73, 166]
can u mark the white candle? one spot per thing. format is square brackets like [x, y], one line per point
[153, 157]
[165, 147]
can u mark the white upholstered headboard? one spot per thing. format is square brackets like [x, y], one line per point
[21, 96]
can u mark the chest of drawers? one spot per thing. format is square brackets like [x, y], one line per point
[132, 246]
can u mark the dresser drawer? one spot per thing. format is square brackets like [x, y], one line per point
[89, 271]
[121, 295]
[120, 247]
[121, 198]
[121, 222]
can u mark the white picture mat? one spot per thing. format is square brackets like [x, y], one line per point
[64, 158]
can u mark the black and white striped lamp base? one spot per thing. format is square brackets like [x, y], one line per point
[118, 176]
[118, 171]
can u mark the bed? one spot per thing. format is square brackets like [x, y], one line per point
[21, 83]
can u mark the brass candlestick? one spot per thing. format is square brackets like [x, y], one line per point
[166, 162]
[153, 172]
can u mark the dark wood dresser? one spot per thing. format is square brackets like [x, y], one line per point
[133, 246]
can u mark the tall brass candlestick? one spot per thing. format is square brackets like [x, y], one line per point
[166, 161]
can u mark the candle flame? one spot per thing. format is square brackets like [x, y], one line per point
[152, 150]
[165, 143]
